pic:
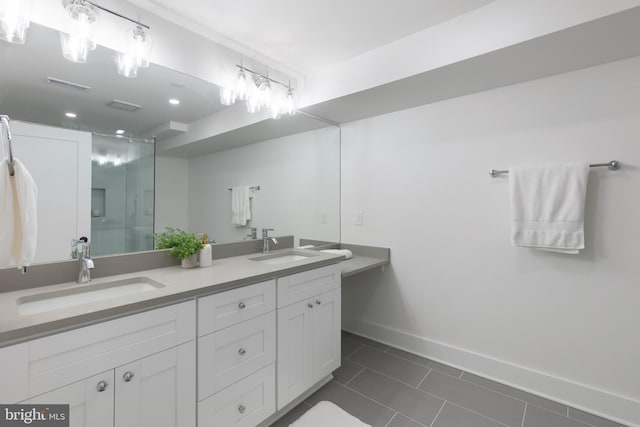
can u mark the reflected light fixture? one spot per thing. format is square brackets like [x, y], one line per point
[259, 91]
[14, 20]
[77, 43]
[71, 115]
[174, 101]
[120, 132]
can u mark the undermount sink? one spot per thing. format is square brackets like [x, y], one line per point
[282, 258]
[84, 294]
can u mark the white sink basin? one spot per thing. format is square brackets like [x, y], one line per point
[84, 294]
[282, 258]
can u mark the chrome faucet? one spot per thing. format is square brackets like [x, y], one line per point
[266, 238]
[86, 264]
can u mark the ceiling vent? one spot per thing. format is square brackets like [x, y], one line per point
[66, 84]
[124, 105]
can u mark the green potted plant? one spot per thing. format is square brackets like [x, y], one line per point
[182, 245]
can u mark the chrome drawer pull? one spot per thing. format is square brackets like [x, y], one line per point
[318, 302]
[102, 386]
[241, 305]
[128, 376]
[242, 408]
[242, 351]
[310, 305]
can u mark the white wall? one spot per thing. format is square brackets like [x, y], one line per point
[564, 326]
[299, 179]
[172, 193]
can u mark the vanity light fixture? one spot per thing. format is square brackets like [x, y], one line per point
[174, 101]
[137, 53]
[120, 132]
[259, 91]
[71, 115]
[14, 20]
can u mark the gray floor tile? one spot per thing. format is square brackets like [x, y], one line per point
[489, 403]
[455, 416]
[538, 417]
[591, 419]
[449, 370]
[401, 421]
[395, 367]
[292, 415]
[360, 407]
[363, 340]
[346, 371]
[400, 397]
[518, 394]
[349, 346]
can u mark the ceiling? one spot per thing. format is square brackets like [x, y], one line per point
[25, 94]
[306, 35]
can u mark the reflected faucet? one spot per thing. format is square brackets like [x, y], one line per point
[266, 238]
[86, 264]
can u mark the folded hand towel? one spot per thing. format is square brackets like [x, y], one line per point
[346, 252]
[325, 414]
[18, 215]
[240, 205]
[547, 206]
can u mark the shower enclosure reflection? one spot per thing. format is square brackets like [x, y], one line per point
[122, 195]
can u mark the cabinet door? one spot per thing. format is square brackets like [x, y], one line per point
[90, 401]
[326, 334]
[158, 391]
[294, 351]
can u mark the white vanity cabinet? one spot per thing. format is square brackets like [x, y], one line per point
[236, 356]
[137, 370]
[308, 330]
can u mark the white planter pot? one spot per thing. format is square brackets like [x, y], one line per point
[191, 261]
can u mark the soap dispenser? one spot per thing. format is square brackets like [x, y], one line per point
[204, 255]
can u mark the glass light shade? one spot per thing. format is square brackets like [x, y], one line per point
[139, 45]
[14, 20]
[127, 66]
[77, 43]
[264, 93]
[227, 96]
[289, 103]
[242, 86]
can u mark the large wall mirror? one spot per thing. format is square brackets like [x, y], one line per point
[105, 177]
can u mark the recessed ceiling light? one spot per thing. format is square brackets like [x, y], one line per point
[120, 131]
[174, 101]
[71, 115]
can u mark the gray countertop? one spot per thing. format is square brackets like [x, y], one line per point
[180, 285]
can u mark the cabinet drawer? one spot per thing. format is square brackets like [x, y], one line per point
[70, 356]
[231, 354]
[300, 286]
[14, 370]
[227, 308]
[243, 404]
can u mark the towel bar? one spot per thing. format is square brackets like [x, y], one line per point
[253, 187]
[612, 165]
[4, 120]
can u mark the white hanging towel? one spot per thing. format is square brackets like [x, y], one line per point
[18, 215]
[547, 206]
[240, 205]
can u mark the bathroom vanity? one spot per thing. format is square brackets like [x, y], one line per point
[234, 343]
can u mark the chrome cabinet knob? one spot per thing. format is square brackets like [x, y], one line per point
[310, 305]
[242, 351]
[128, 376]
[241, 305]
[102, 386]
[242, 408]
[318, 302]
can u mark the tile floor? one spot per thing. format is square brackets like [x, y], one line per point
[387, 387]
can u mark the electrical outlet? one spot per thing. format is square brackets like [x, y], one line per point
[359, 218]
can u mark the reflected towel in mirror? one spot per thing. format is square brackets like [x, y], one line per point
[18, 215]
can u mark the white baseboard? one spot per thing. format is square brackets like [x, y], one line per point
[605, 404]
